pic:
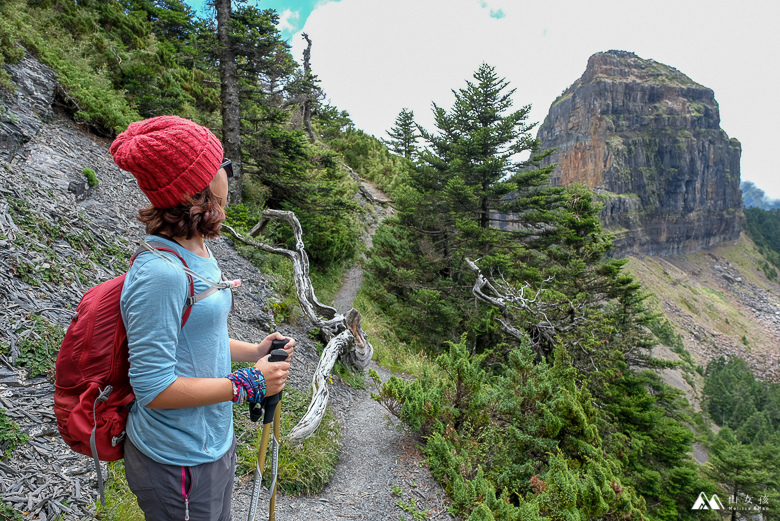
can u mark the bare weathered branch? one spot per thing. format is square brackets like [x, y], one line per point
[319, 399]
[344, 335]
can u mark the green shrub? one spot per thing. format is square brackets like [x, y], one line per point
[530, 433]
[10, 435]
[8, 513]
[371, 159]
[92, 179]
[665, 333]
[10, 50]
[242, 217]
[63, 39]
[39, 348]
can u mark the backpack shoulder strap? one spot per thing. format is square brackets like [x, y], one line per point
[192, 298]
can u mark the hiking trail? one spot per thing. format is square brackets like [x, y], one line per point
[58, 237]
[378, 458]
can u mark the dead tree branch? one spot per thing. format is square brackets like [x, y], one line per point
[511, 299]
[345, 338]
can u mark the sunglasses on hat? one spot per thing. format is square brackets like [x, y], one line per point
[227, 164]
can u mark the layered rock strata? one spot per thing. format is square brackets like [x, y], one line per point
[647, 140]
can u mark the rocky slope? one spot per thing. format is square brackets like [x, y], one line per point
[648, 140]
[720, 302]
[59, 237]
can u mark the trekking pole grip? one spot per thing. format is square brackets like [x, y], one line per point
[256, 410]
[277, 355]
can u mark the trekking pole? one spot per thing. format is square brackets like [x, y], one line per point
[272, 405]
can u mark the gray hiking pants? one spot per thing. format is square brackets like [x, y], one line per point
[165, 492]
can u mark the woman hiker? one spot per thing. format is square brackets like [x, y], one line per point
[180, 455]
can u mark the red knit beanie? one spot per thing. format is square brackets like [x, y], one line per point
[169, 156]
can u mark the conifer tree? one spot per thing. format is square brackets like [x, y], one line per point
[737, 468]
[469, 197]
[228, 74]
[730, 390]
[478, 145]
[404, 135]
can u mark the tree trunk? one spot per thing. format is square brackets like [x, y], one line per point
[231, 117]
[484, 219]
[307, 104]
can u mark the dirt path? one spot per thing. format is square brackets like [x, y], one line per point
[378, 462]
[378, 205]
[381, 473]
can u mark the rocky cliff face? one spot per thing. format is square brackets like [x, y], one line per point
[647, 140]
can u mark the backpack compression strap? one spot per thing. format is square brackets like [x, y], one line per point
[102, 397]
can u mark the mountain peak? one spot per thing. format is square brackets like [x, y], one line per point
[648, 140]
[627, 66]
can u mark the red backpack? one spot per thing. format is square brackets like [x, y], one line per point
[92, 396]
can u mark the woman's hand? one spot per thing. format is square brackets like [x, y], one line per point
[265, 345]
[275, 374]
[246, 352]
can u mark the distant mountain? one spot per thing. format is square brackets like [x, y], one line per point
[754, 197]
[647, 139]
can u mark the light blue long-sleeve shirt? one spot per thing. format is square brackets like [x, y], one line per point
[152, 305]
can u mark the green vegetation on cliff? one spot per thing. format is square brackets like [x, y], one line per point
[763, 226]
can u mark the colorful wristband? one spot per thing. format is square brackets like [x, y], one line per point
[248, 385]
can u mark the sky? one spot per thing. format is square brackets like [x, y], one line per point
[376, 57]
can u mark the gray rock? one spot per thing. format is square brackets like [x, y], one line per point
[78, 188]
[28, 107]
[648, 139]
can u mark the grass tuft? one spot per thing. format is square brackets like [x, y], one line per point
[306, 467]
[11, 437]
[38, 350]
[121, 503]
[92, 180]
[389, 351]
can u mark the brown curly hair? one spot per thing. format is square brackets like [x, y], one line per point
[200, 214]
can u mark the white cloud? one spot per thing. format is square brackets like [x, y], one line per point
[288, 20]
[375, 57]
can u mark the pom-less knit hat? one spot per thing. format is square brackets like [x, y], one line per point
[171, 157]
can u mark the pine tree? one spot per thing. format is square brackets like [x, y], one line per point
[737, 468]
[731, 391]
[478, 145]
[404, 135]
[228, 75]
